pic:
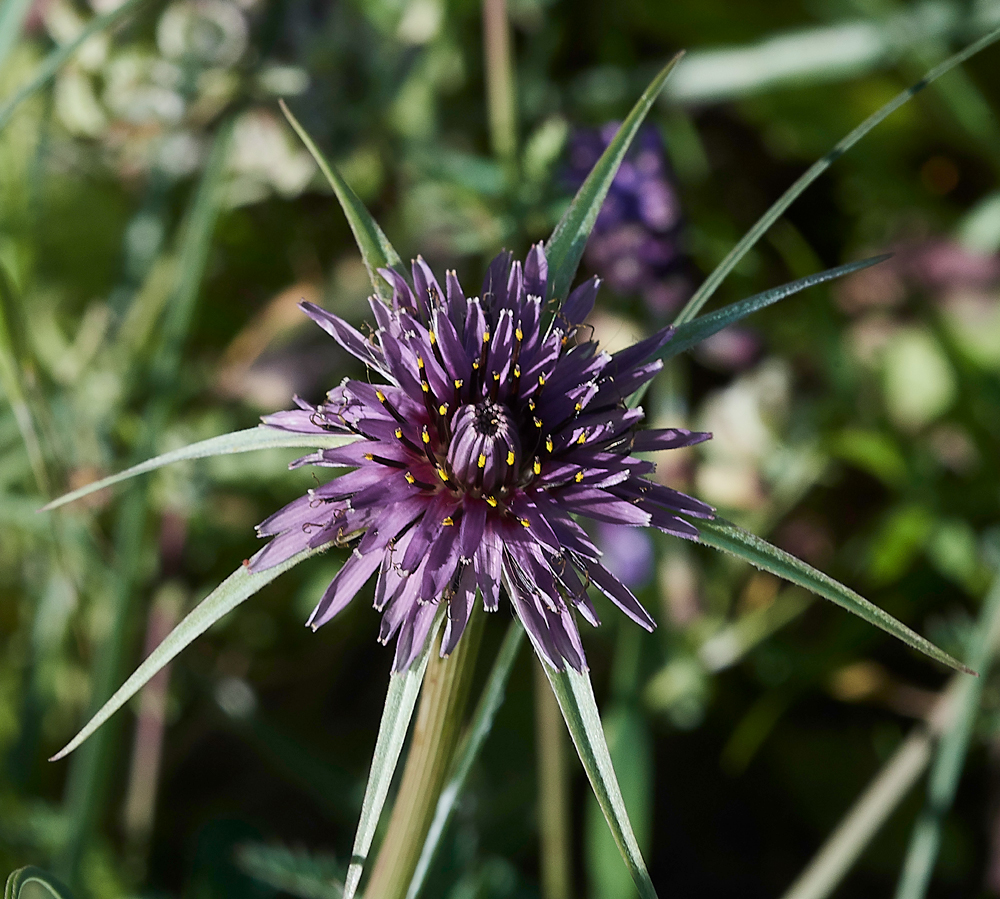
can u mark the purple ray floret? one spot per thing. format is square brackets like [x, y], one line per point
[487, 435]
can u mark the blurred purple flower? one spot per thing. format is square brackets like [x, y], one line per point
[635, 244]
[488, 433]
[628, 553]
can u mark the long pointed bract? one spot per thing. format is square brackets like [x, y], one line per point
[239, 586]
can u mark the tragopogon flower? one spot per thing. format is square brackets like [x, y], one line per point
[492, 429]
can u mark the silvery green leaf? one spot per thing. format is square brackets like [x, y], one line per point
[32, 883]
[376, 251]
[400, 700]
[575, 696]
[225, 444]
[726, 536]
[239, 586]
[564, 248]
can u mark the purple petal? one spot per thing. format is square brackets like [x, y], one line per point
[459, 610]
[580, 303]
[666, 438]
[536, 271]
[620, 595]
[344, 587]
[349, 338]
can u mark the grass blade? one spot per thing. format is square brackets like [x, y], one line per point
[239, 586]
[258, 438]
[400, 700]
[925, 841]
[712, 282]
[376, 251]
[564, 248]
[55, 60]
[726, 536]
[575, 696]
[482, 723]
[40, 881]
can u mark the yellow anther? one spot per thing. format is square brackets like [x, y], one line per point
[548, 444]
[541, 380]
[442, 474]
[531, 405]
[582, 439]
[369, 456]
[492, 500]
[380, 395]
[399, 433]
[425, 436]
[443, 409]
[458, 383]
[525, 522]
[496, 376]
[425, 387]
[578, 476]
[510, 457]
[537, 467]
[475, 364]
[482, 461]
[448, 522]
[486, 336]
[517, 371]
[578, 407]
[518, 333]
[420, 362]
[432, 337]
[538, 422]
[409, 478]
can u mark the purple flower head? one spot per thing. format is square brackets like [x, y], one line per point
[635, 244]
[487, 434]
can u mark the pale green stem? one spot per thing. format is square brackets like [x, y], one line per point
[500, 89]
[435, 736]
[553, 791]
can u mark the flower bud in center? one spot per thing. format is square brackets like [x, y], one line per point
[485, 453]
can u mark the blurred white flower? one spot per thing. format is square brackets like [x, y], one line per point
[265, 158]
[212, 32]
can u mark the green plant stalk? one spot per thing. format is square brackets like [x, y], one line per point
[553, 791]
[435, 738]
[949, 760]
[501, 96]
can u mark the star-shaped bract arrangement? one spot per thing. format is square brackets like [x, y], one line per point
[492, 430]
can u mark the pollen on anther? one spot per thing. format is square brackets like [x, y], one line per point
[425, 435]
[369, 457]
[399, 433]
[510, 457]
[420, 362]
[442, 474]
[448, 522]
[541, 380]
[432, 337]
[538, 422]
[582, 439]
[548, 444]
[537, 467]
[578, 477]
[443, 409]
[486, 336]
[492, 500]
[409, 478]
[380, 395]
[458, 383]
[481, 462]
[525, 522]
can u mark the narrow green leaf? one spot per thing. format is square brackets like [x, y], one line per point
[726, 536]
[575, 696]
[239, 586]
[564, 248]
[712, 282]
[246, 441]
[376, 251]
[42, 880]
[693, 332]
[55, 60]
[949, 759]
[400, 700]
[482, 723]
[295, 871]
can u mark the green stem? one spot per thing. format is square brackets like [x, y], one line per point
[500, 90]
[435, 737]
[553, 791]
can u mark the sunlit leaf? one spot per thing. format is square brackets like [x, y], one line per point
[32, 882]
[725, 535]
[733, 257]
[564, 248]
[576, 700]
[376, 251]
[482, 723]
[235, 589]
[225, 444]
[404, 687]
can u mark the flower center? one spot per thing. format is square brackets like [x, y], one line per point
[485, 452]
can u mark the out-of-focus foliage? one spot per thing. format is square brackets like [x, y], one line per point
[159, 222]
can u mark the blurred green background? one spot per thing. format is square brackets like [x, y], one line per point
[159, 222]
